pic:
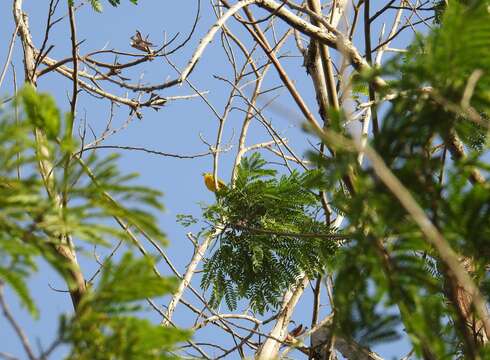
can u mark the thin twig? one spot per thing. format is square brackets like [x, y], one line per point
[18, 330]
[9, 54]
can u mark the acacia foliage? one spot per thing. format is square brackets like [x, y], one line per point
[388, 264]
[387, 276]
[78, 200]
[271, 234]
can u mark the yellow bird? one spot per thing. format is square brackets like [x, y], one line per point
[210, 183]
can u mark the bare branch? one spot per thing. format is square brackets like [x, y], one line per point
[18, 330]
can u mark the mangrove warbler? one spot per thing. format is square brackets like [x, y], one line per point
[210, 184]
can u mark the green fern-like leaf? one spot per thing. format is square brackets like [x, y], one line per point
[262, 251]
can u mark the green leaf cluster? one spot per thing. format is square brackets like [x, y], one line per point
[42, 111]
[388, 275]
[52, 194]
[106, 325]
[269, 236]
[18, 198]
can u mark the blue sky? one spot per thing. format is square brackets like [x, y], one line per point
[176, 128]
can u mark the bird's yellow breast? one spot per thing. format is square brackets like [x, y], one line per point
[210, 184]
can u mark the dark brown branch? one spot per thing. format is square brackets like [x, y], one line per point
[74, 53]
[136, 148]
[290, 234]
[369, 59]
